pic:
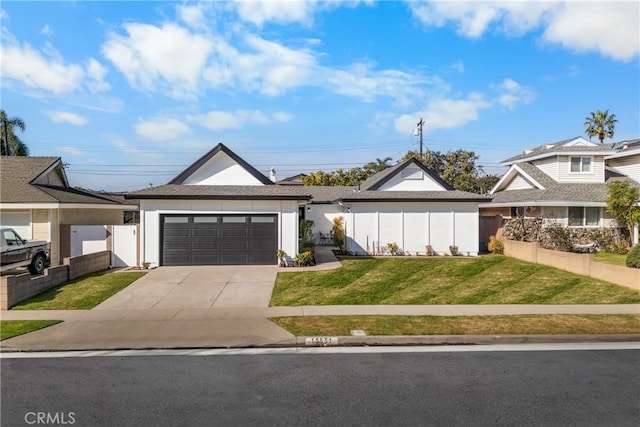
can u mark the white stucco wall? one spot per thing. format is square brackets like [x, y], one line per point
[412, 226]
[322, 215]
[150, 211]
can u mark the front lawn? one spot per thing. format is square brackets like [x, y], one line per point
[610, 258]
[83, 293]
[462, 325]
[490, 279]
[13, 328]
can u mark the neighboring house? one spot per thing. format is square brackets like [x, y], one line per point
[37, 201]
[292, 180]
[221, 210]
[564, 182]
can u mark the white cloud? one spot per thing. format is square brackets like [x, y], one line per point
[219, 120]
[67, 117]
[46, 30]
[162, 129]
[95, 74]
[444, 114]
[512, 93]
[610, 28]
[169, 56]
[35, 71]
[282, 116]
[22, 63]
[458, 66]
[193, 16]
[283, 12]
[72, 151]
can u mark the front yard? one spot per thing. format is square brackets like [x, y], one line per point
[489, 279]
[13, 328]
[81, 294]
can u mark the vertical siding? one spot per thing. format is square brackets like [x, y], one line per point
[548, 166]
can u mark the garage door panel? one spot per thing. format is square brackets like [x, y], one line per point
[219, 239]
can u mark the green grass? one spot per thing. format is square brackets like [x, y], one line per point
[13, 328]
[610, 258]
[462, 325]
[83, 293]
[490, 279]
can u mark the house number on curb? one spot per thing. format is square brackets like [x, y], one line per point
[321, 341]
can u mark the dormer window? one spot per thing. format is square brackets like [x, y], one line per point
[580, 164]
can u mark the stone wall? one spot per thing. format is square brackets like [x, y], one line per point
[566, 239]
[20, 287]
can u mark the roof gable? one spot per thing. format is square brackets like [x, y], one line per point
[221, 166]
[573, 146]
[410, 175]
[580, 142]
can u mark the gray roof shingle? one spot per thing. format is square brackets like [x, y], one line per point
[422, 196]
[221, 192]
[557, 147]
[17, 174]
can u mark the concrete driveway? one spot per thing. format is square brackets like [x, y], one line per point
[197, 287]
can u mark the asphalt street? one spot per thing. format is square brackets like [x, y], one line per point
[564, 388]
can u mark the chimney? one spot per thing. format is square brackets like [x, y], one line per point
[272, 174]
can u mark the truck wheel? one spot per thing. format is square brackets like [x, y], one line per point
[37, 264]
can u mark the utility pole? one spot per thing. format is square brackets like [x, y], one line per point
[420, 125]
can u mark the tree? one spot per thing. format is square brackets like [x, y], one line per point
[349, 177]
[379, 165]
[600, 124]
[622, 204]
[11, 145]
[457, 168]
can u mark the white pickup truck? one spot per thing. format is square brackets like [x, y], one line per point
[17, 252]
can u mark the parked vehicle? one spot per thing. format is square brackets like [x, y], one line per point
[17, 252]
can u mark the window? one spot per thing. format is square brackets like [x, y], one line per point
[234, 219]
[263, 219]
[584, 216]
[205, 219]
[176, 219]
[580, 164]
[517, 211]
[11, 237]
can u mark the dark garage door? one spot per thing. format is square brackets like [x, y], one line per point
[219, 239]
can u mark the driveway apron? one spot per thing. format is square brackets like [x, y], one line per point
[197, 287]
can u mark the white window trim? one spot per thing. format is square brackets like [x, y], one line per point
[581, 165]
[584, 217]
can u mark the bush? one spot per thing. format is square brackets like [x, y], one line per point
[338, 233]
[305, 259]
[633, 258]
[305, 231]
[454, 250]
[393, 248]
[430, 251]
[495, 246]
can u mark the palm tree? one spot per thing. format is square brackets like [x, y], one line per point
[600, 124]
[378, 165]
[12, 145]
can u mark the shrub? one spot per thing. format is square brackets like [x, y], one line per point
[393, 248]
[338, 232]
[305, 230]
[633, 258]
[495, 246]
[305, 259]
[430, 251]
[454, 250]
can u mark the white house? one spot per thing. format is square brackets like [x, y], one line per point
[221, 210]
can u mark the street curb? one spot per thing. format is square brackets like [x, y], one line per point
[400, 340]
[381, 341]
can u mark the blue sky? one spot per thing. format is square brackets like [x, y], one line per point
[130, 93]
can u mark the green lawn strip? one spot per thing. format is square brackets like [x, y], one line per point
[463, 325]
[83, 293]
[13, 328]
[491, 279]
[610, 258]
